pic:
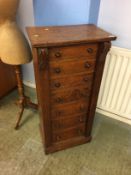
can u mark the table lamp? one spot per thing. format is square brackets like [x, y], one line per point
[14, 49]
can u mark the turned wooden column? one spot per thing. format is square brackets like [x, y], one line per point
[24, 101]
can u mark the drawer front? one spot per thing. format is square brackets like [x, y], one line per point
[69, 109]
[58, 69]
[61, 53]
[64, 123]
[83, 79]
[68, 134]
[70, 95]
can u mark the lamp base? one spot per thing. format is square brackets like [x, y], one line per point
[24, 101]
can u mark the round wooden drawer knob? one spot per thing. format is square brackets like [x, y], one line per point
[57, 54]
[57, 85]
[90, 50]
[59, 100]
[86, 79]
[58, 138]
[87, 65]
[57, 70]
[81, 119]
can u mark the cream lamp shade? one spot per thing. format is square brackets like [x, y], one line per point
[14, 48]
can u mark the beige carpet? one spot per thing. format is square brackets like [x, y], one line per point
[21, 152]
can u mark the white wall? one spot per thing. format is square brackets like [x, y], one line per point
[115, 17]
[26, 18]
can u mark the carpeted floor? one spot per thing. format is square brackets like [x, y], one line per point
[21, 152]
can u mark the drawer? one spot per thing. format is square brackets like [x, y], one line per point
[70, 95]
[64, 123]
[58, 69]
[79, 107]
[61, 53]
[82, 79]
[68, 134]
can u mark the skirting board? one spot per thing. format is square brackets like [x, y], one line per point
[114, 116]
[29, 84]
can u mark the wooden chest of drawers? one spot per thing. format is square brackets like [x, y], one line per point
[68, 63]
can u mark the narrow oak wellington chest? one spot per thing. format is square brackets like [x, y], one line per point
[68, 64]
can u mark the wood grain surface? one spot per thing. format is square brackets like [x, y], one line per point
[65, 35]
[68, 62]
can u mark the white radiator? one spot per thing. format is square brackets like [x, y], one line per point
[115, 91]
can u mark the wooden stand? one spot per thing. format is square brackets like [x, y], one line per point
[24, 101]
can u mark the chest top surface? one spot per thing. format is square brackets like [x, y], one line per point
[65, 35]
